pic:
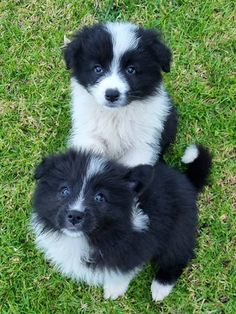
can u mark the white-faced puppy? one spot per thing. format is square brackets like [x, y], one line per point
[89, 224]
[120, 107]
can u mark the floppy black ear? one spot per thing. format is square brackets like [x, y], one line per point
[161, 52]
[70, 50]
[73, 49]
[68, 55]
[42, 168]
[163, 55]
[139, 178]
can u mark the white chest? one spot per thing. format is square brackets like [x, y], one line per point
[69, 255]
[117, 131]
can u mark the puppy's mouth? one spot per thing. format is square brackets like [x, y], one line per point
[117, 104]
[123, 101]
[72, 232]
[76, 226]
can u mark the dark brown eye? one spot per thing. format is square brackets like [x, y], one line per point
[130, 70]
[99, 197]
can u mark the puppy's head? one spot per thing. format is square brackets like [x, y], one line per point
[117, 62]
[78, 193]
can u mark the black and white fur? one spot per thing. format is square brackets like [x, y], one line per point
[120, 108]
[89, 224]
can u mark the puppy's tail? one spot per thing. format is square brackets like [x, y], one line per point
[198, 161]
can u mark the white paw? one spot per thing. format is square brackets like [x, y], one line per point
[159, 290]
[113, 292]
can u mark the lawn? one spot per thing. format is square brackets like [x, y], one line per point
[35, 120]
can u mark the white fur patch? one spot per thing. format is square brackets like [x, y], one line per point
[73, 234]
[127, 134]
[70, 254]
[78, 204]
[140, 221]
[116, 283]
[95, 166]
[190, 154]
[159, 290]
[123, 37]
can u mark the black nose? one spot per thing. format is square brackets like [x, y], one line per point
[74, 217]
[112, 94]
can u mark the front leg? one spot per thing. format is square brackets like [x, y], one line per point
[116, 284]
[146, 155]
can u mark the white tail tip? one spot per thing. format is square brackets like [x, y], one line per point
[190, 154]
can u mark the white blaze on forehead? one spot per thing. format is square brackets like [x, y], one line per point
[123, 37]
[95, 166]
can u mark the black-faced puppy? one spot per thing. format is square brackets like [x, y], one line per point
[88, 222]
[120, 108]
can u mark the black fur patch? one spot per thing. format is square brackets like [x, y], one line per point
[90, 46]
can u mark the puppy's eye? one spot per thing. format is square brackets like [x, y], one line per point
[99, 197]
[98, 69]
[130, 70]
[65, 192]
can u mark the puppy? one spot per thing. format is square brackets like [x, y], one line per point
[120, 108]
[89, 224]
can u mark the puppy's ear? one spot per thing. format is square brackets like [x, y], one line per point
[69, 55]
[71, 50]
[139, 178]
[161, 52]
[42, 168]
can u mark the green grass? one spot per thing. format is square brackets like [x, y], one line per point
[34, 117]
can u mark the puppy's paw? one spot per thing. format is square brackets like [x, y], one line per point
[113, 292]
[159, 290]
